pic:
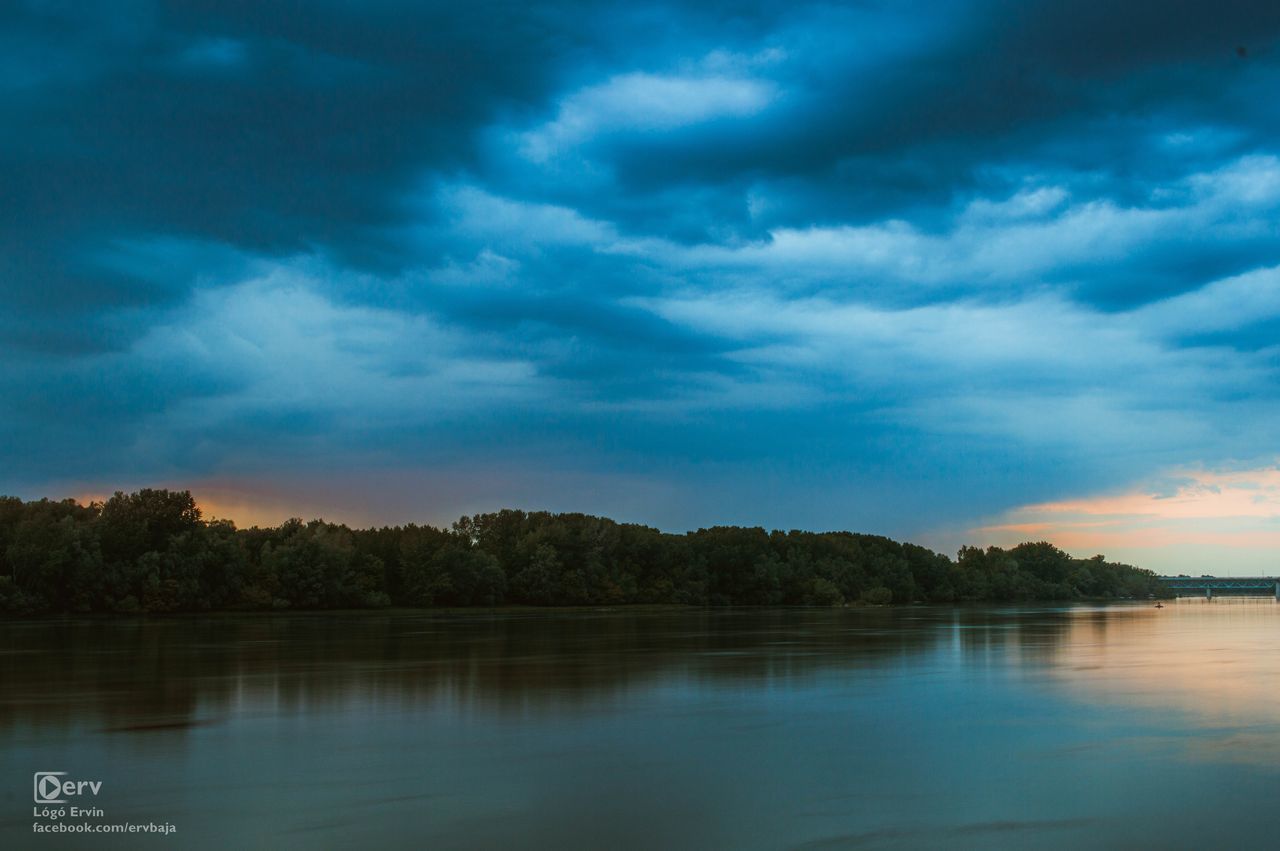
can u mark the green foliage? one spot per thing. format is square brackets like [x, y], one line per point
[151, 551]
[823, 592]
[878, 596]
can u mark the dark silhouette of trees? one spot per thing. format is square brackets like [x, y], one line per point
[152, 551]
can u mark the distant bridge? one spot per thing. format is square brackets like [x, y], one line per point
[1222, 586]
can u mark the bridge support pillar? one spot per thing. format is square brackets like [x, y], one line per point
[1278, 590]
[1208, 593]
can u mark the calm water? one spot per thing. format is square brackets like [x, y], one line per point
[1119, 727]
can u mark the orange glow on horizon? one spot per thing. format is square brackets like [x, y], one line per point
[242, 505]
[1236, 510]
[1254, 493]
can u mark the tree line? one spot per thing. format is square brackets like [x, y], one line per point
[152, 551]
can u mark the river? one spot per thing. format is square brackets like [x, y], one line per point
[1115, 726]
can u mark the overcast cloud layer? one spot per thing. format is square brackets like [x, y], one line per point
[896, 267]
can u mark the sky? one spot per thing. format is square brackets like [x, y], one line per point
[955, 272]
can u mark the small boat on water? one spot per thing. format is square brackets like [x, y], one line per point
[1159, 605]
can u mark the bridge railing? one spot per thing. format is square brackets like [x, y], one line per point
[1223, 585]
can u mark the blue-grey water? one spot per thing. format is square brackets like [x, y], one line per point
[928, 727]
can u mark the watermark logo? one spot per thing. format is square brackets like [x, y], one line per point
[52, 788]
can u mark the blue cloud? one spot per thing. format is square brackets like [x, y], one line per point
[880, 266]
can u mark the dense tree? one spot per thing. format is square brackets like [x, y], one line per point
[54, 559]
[151, 551]
[142, 522]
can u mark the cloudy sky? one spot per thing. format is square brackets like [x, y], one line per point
[950, 271]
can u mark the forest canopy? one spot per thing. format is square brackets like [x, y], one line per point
[153, 551]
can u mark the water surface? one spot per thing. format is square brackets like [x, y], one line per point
[925, 727]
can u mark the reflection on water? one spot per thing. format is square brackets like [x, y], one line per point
[877, 728]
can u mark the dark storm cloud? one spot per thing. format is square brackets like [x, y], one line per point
[281, 132]
[261, 125]
[776, 254]
[1063, 87]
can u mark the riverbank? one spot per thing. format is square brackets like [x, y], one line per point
[152, 551]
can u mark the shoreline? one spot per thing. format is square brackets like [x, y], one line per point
[519, 610]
